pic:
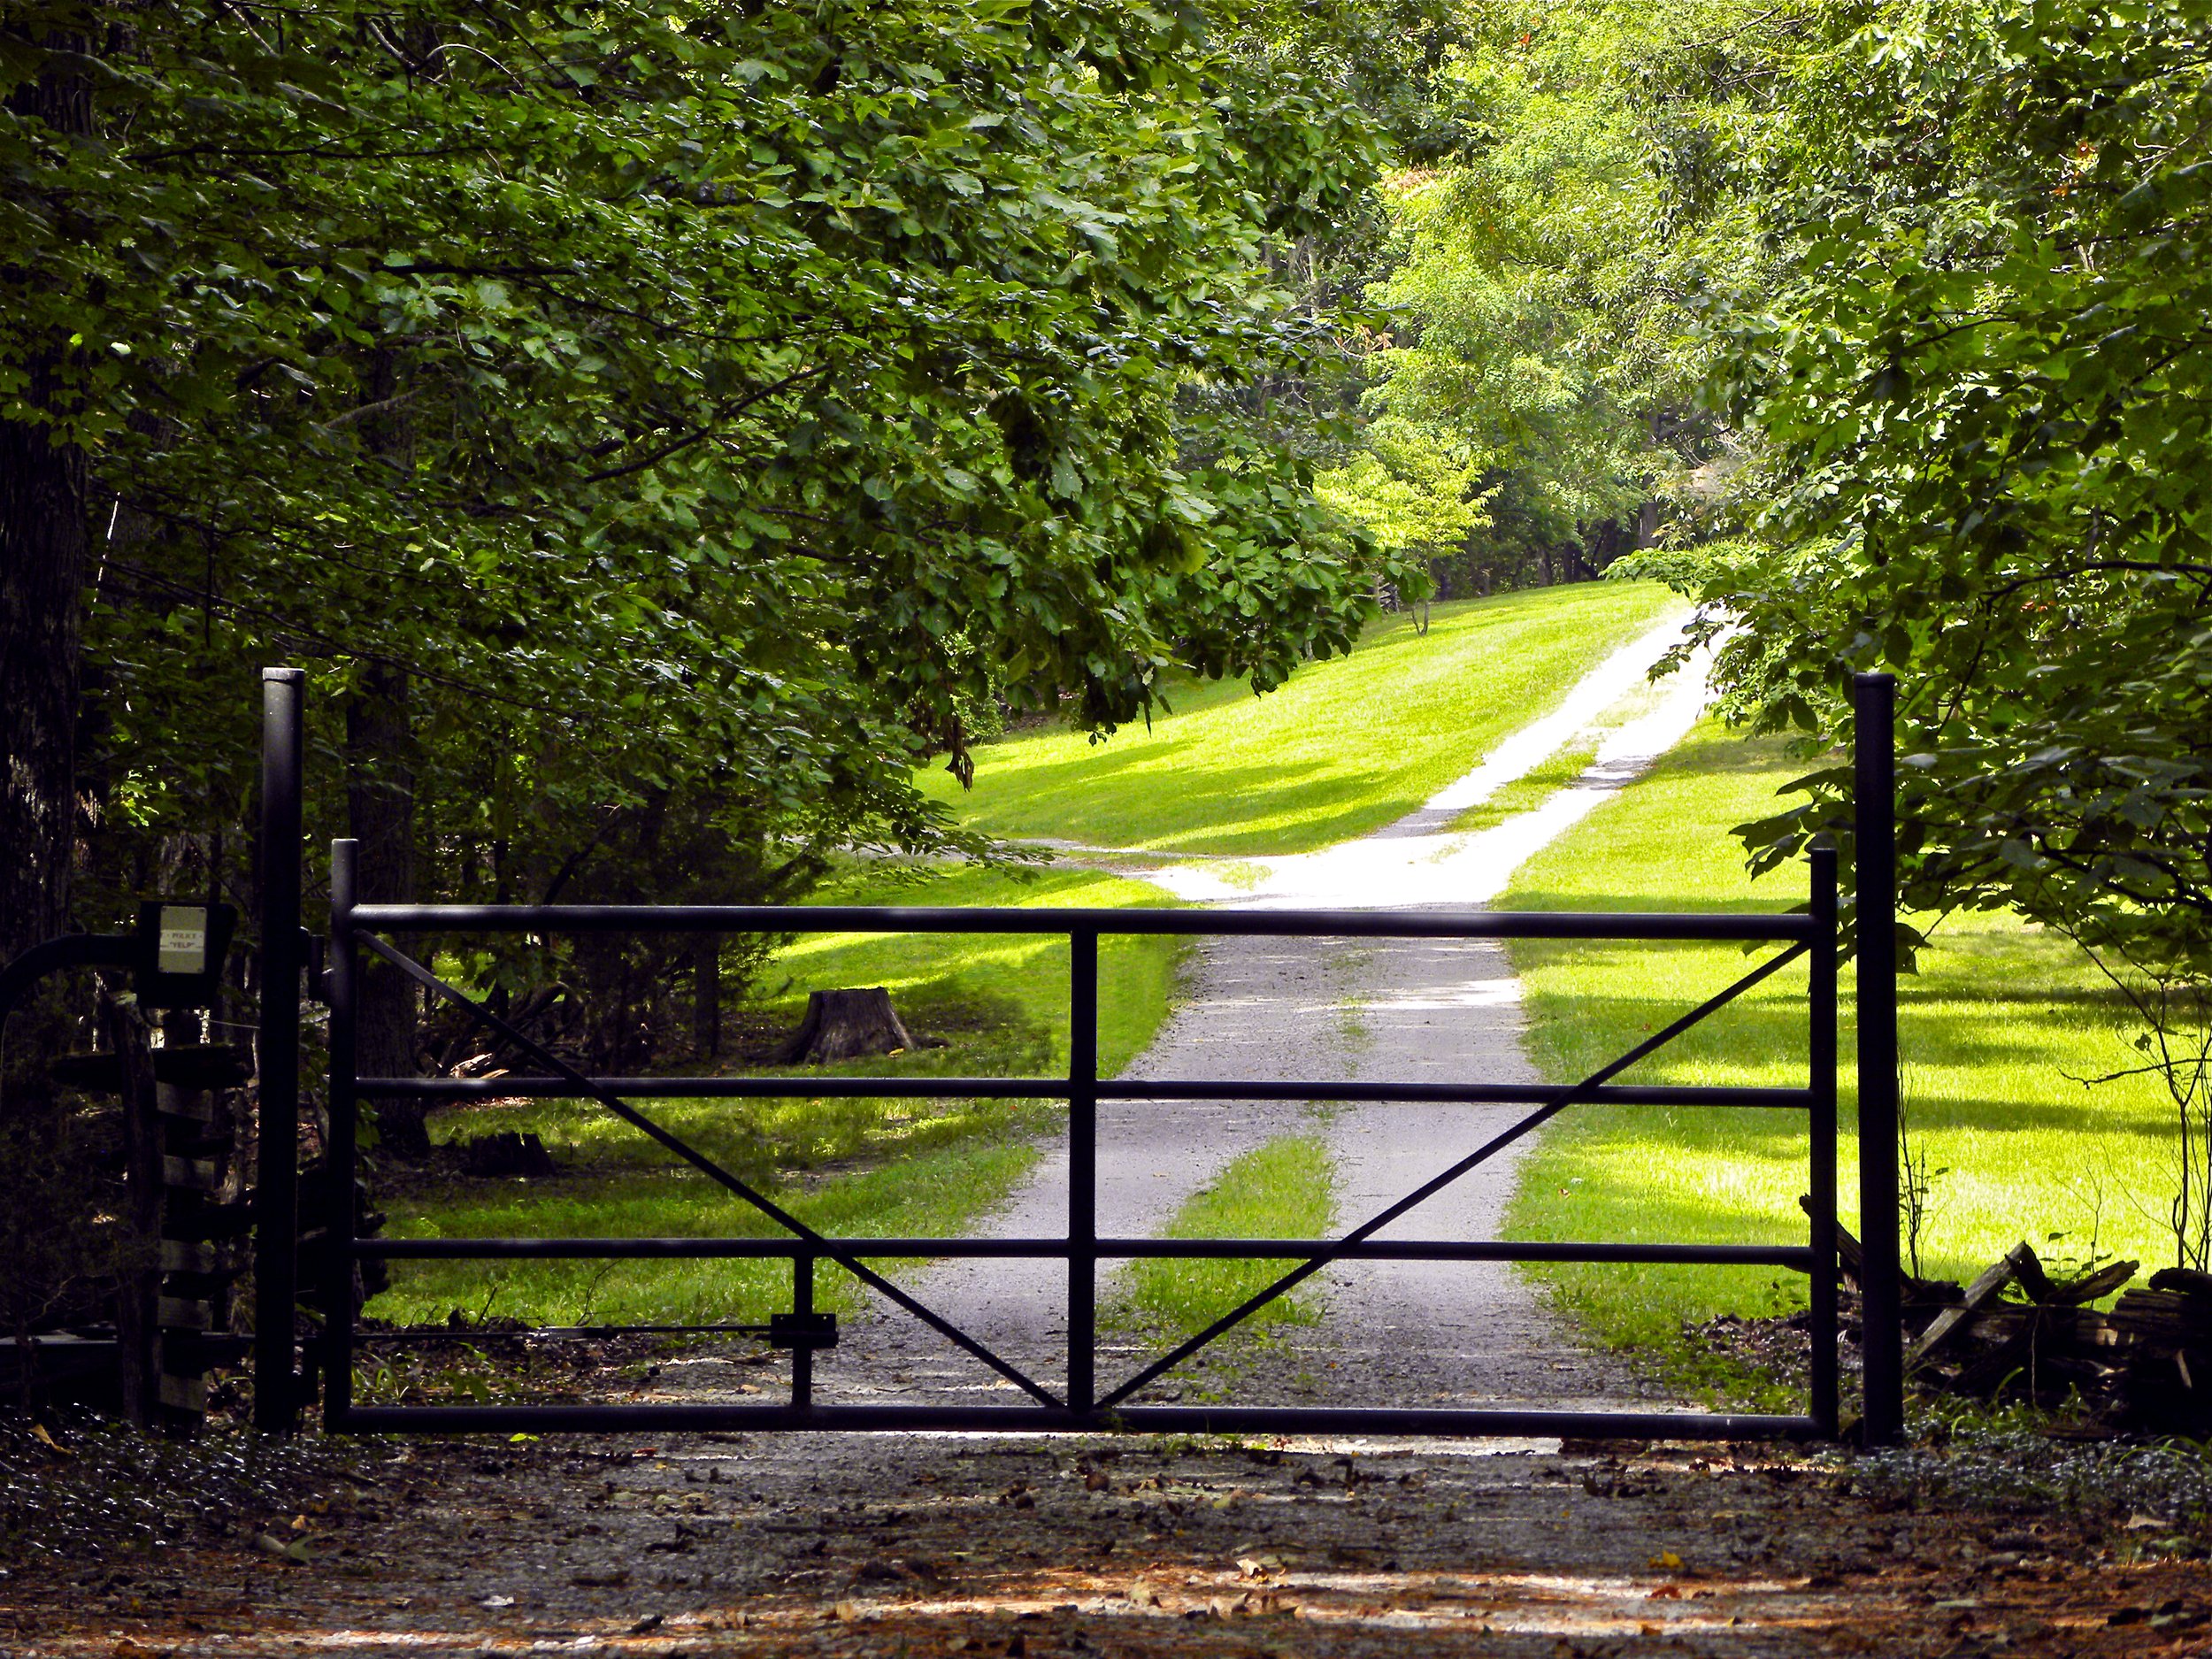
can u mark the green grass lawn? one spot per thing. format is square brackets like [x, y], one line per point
[1347, 747]
[874, 1167]
[1999, 1015]
[1281, 1190]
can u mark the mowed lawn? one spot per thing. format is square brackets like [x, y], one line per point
[1991, 1026]
[878, 1166]
[1345, 748]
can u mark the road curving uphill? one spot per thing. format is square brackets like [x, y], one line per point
[1370, 1011]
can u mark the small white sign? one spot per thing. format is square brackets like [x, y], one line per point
[183, 945]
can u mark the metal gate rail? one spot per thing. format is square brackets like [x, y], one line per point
[1082, 1403]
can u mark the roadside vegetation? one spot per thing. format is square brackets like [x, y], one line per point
[1344, 748]
[1995, 1027]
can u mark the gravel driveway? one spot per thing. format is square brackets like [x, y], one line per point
[1373, 1010]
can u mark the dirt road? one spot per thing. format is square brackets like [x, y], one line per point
[731, 1545]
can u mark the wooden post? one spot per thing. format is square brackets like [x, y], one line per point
[137, 1323]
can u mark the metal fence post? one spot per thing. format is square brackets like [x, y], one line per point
[276, 1202]
[1821, 1081]
[1875, 828]
[338, 1226]
[1082, 1169]
[802, 1310]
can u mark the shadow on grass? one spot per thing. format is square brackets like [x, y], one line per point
[1082, 799]
[1682, 904]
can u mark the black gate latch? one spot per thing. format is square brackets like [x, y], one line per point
[803, 1330]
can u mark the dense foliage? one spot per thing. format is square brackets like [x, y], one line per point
[1981, 386]
[1542, 369]
[661, 428]
[657, 428]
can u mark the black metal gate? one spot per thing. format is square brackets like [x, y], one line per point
[1087, 1401]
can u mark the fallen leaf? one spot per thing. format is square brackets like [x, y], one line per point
[1667, 1560]
[1665, 1593]
[846, 1612]
[39, 1433]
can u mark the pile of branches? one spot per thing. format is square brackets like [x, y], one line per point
[448, 1043]
[2015, 1333]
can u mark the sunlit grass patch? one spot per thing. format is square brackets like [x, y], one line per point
[878, 1166]
[1527, 792]
[1024, 972]
[1998, 1016]
[934, 1193]
[1281, 1190]
[1346, 747]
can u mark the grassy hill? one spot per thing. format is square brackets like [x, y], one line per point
[1994, 1029]
[1345, 748]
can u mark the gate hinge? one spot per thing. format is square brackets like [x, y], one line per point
[803, 1330]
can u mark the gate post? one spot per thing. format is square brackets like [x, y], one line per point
[1821, 1055]
[338, 1157]
[276, 1199]
[1875, 829]
[1082, 1169]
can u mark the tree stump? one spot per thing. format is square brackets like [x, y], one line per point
[843, 1026]
[506, 1153]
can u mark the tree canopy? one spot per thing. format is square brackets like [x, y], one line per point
[613, 399]
[1979, 383]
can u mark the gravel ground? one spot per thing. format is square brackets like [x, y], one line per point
[835, 1545]
[1253, 1008]
[1443, 1332]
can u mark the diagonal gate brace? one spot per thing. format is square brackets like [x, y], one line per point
[1578, 1095]
[824, 1246]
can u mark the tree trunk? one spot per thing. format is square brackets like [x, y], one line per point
[42, 554]
[706, 996]
[844, 1025]
[43, 548]
[380, 802]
